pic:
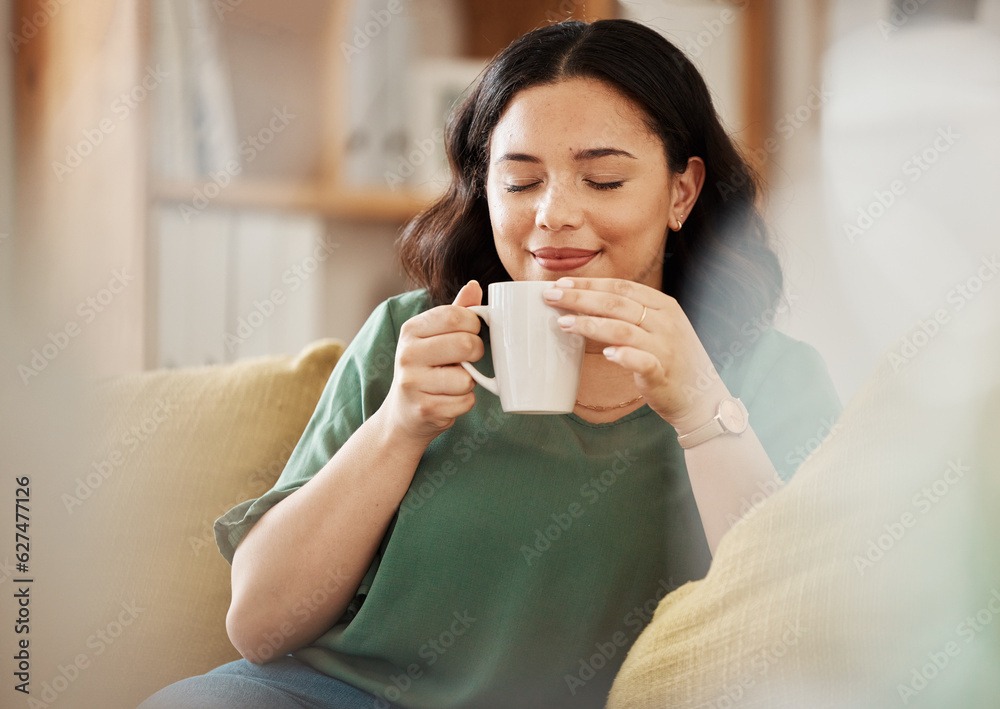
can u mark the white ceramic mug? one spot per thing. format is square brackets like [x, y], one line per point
[537, 363]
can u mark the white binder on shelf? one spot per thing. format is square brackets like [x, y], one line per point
[195, 131]
[236, 284]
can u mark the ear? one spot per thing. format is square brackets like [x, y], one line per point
[687, 187]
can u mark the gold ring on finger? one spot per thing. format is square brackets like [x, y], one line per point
[641, 317]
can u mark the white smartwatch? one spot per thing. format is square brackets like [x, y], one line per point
[731, 417]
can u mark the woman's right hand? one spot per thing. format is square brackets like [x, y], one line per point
[429, 388]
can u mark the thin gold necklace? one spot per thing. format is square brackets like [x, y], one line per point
[622, 405]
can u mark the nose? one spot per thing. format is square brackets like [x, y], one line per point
[559, 208]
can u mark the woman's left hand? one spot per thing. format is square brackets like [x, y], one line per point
[646, 332]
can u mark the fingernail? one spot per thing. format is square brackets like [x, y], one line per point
[609, 352]
[564, 283]
[566, 320]
[552, 294]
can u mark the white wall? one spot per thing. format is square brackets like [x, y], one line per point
[795, 211]
[856, 302]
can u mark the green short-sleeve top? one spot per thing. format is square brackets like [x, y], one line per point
[529, 551]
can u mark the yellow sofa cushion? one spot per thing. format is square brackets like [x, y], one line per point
[872, 579]
[179, 448]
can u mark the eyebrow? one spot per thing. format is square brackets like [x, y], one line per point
[583, 155]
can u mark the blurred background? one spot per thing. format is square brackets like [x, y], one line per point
[188, 182]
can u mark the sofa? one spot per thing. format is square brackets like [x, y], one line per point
[175, 450]
[871, 580]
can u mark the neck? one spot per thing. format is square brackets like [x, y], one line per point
[604, 383]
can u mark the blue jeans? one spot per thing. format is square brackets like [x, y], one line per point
[286, 683]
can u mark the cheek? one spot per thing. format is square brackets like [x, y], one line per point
[507, 219]
[495, 203]
[500, 223]
[636, 232]
[650, 215]
[626, 225]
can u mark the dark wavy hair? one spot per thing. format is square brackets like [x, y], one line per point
[719, 266]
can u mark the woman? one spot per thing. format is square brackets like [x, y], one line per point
[429, 550]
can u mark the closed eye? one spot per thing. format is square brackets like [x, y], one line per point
[596, 185]
[520, 188]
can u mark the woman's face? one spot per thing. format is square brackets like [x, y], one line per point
[578, 186]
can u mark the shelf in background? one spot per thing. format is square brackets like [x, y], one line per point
[371, 204]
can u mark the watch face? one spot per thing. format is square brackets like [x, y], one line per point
[733, 416]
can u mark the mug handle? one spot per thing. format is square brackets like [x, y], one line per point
[487, 383]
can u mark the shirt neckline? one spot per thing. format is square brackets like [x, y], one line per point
[642, 411]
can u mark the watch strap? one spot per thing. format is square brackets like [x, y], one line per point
[701, 434]
[715, 427]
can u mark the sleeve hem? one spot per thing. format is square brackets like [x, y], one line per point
[232, 527]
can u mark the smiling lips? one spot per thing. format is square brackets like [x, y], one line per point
[563, 259]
